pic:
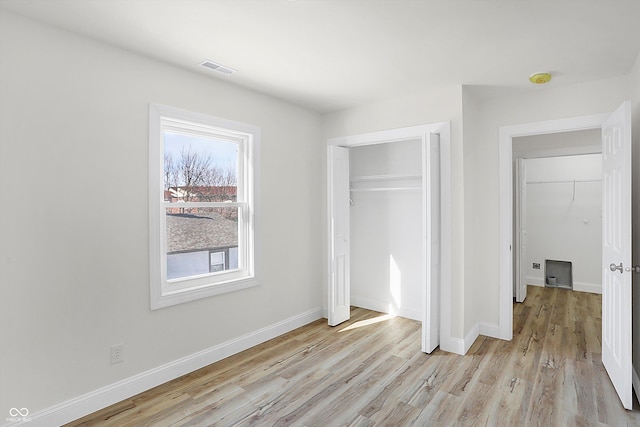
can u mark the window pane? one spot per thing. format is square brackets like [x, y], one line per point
[187, 264]
[199, 169]
[199, 240]
[217, 261]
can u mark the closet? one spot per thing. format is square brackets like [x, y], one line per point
[388, 218]
[386, 227]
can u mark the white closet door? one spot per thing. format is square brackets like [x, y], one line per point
[431, 241]
[339, 235]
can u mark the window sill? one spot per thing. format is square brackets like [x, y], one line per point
[168, 298]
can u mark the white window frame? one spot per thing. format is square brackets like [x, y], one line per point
[163, 292]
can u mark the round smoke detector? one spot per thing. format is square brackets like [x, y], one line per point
[540, 78]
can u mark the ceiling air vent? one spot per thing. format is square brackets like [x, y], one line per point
[217, 68]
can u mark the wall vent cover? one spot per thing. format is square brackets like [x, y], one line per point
[217, 67]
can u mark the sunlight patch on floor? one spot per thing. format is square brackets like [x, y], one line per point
[368, 322]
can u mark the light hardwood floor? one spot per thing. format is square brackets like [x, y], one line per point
[370, 372]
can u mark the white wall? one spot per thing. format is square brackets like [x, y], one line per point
[74, 254]
[386, 230]
[563, 219]
[472, 106]
[558, 144]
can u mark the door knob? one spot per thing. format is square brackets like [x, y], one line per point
[614, 267]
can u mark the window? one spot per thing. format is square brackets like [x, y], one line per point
[202, 205]
[217, 262]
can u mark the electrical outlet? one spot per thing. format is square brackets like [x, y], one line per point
[117, 353]
[536, 266]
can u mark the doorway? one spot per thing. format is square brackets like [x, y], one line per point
[558, 209]
[432, 183]
[506, 136]
[616, 234]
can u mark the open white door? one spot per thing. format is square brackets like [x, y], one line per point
[616, 251]
[431, 238]
[339, 268]
[521, 230]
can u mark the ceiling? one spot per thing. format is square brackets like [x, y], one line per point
[333, 54]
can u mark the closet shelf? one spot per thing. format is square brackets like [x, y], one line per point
[386, 189]
[367, 183]
[391, 177]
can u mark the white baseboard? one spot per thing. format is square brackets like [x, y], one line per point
[93, 401]
[535, 281]
[462, 346]
[385, 307]
[471, 337]
[488, 330]
[452, 345]
[594, 288]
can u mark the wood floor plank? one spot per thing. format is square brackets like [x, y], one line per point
[469, 367]
[369, 372]
[427, 378]
[584, 388]
[442, 411]
[341, 406]
[400, 414]
[392, 391]
[500, 357]
[511, 409]
[319, 401]
[472, 412]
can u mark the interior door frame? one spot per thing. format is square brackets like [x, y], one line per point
[422, 133]
[506, 203]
